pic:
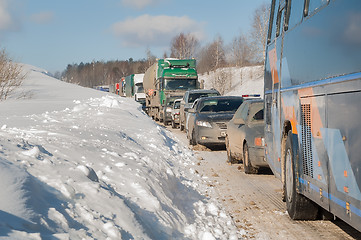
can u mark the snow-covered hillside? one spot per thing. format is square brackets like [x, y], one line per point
[245, 80]
[77, 163]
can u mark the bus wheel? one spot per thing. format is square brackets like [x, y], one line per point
[248, 168]
[298, 206]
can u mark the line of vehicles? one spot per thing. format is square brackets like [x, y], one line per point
[307, 128]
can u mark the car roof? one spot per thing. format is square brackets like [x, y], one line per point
[258, 100]
[220, 97]
[203, 91]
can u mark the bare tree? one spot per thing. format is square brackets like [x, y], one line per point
[241, 51]
[212, 56]
[11, 76]
[222, 80]
[151, 59]
[259, 31]
[184, 46]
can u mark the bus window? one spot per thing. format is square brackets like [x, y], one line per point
[283, 16]
[273, 20]
[296, 13]
[313, 5]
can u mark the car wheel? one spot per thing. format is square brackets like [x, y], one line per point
[248, 168]
[298, 206]
[181, 126]
[192, 140]
[230, 158]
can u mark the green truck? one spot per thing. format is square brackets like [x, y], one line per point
[165, 81]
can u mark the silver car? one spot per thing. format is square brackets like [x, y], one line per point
[175, 113]
[188, 99]
[245, 136]
[208, 118]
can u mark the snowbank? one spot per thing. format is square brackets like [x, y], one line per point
[76, 163]
[245, 80]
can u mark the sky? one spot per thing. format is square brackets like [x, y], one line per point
[53, 34]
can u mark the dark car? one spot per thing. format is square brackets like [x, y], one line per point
[245, 136]
[208, 118]
[188, 99]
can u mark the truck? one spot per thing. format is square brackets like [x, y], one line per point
[134, 86]
[165, 81]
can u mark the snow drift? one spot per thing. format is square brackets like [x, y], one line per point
[76, 163]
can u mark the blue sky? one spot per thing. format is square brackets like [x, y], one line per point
[52, 34]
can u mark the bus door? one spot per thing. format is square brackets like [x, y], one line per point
[273, 129]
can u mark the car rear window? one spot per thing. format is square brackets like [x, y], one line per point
[194, 96]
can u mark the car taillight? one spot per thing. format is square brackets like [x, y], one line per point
[259, 142]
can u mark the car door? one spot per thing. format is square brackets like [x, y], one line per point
[239, 132]
[191, 118]
[254, 127]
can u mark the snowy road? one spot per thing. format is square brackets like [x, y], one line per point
[255, 203]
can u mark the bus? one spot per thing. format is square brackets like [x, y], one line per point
[312, 98]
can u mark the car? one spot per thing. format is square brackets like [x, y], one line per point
[188, 99]
[166, 117]
[208, 118]
[245, 136]
[175, 113]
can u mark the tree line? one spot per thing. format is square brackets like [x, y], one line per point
[244, 50]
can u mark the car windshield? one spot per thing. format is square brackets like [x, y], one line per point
[220, 105]
[176, 105]
[193, 96]
[175, 84]
[140, 89]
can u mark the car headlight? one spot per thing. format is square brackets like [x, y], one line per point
[168, 109]
[203, 124]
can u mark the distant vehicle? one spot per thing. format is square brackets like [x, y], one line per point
[104, 88]
[312, 86]
[208, 118]
[187, 102]
[133, 86]
[175, 113]
[245, 136]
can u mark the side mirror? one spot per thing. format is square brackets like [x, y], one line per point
[239, 121]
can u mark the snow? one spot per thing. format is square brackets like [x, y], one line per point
[245, 80]
[77, 163]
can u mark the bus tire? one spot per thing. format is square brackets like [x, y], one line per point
[298, 206]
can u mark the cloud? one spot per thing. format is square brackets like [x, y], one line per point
[149, 30]
[139, 4]
[6, 21]
[42, 17]
[352, 34]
